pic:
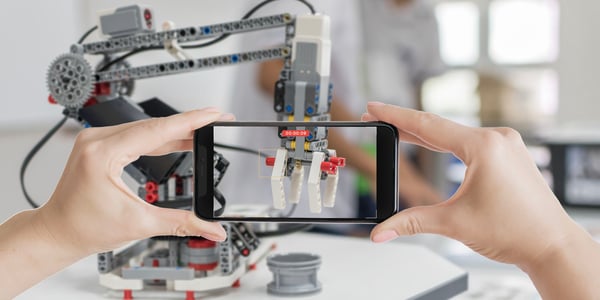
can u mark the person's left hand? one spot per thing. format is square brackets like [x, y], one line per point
[92, 210]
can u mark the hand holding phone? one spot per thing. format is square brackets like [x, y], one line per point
[285, 172]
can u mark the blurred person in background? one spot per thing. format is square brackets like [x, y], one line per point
[254, 89]
[401, 51]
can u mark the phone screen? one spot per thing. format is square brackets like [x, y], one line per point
[259, 173]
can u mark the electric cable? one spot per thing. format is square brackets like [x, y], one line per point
[44, 139]
[218, 195]
[201, 45]
[31, 154]
[86, 34]
[221, 199]
[240, 149]
[291, 211]
[124, 56]
[254, 152]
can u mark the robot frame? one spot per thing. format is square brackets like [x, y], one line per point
[100, 97]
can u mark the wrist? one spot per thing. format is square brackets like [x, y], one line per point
[28, 241]
[52, 229]
[572, 255]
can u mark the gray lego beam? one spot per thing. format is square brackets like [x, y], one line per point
[108, 261]
[227, 258]
[191, 65]
[187, 34]
[158, 273]
[124, 256]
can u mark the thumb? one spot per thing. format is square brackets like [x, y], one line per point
[422, 219]
[179, 222]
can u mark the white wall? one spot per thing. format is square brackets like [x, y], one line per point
[33, 34]
[579, 62]
[36, 32]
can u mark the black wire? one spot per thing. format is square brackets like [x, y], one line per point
[292, 210]
[256, 8]
[312, 9]
[241, 149]
[201, 45]
[221, 199]
[44, 139]
[124, 56]
[246, 16]
[254, 152]
[86, 34]
[32, 153]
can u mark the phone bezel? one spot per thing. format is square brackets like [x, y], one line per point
[387, 174]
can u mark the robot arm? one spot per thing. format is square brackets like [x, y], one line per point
[100, 97]
[303, 92]
[73, 84]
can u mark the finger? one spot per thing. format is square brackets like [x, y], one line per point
[227, 117]
[149, 135]
[432, 129]
[173, 146]
[104, 132]
[405, 136]
[421, 219]
[184, 145]
[366, 117]
[410, 138]
[177, 222]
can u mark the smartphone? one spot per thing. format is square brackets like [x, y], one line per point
[253, 172]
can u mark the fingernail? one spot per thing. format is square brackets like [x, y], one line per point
[384, 236]
[227, 117]
[367, 117]
[216, 236]
[375, 103]
[211, 109]
[215, 232]
[221, 233]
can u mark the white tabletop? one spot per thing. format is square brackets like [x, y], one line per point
[351, 268]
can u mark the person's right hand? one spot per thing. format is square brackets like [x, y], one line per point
[504, 209]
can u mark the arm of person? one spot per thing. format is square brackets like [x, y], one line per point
[413, 187]
[504, 209]
[92, 210]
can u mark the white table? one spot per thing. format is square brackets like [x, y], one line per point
[351, 268]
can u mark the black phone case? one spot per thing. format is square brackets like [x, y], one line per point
[387, 174]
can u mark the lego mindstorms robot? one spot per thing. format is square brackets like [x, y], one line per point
[100, 96]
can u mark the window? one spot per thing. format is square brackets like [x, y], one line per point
[453, 93]
[523, 31]
[459, 32]
[501, 56]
